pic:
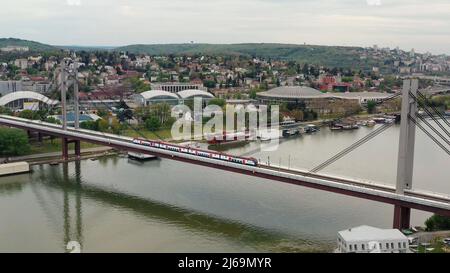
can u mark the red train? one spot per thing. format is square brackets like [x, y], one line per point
[197, 152]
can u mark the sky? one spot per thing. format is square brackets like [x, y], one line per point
[423, 25]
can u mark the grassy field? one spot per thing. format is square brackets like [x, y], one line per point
[163, 134]
[51, 146]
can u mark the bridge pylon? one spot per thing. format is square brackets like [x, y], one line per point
[63, 88]
[407, 139]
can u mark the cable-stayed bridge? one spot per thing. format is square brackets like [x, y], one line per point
[402, 196]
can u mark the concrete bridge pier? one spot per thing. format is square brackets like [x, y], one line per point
[77, 148]
[402, 217]
[65, 148]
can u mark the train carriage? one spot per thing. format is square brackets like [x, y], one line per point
[201, 153]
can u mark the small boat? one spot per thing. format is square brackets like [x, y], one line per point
[371, 123]
[311, 128]
[269, 134]
[214, 139]
[379, 120]
[336, 128]
[291, 132]
[141, 157]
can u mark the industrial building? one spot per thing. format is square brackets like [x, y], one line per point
[177, 87]
[27, 100]
[312, 99]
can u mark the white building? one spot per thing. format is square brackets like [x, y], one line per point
[15, 49]
[177, 87]
[363, 97]
[21, 63]
[366, 239]
[7, 87]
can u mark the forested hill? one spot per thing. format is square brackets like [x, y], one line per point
[33, 46]
[333, 56]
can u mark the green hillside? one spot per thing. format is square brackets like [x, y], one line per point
[333, 56]
[34, 46]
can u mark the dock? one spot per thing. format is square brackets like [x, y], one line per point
[14, 168]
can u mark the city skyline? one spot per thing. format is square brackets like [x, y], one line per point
[347, 23]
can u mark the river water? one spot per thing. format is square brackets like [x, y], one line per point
[117, 205]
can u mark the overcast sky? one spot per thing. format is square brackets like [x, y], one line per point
[423, 25]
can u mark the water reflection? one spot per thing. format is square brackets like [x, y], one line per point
[74, 189]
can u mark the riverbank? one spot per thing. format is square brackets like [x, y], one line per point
[14, 168]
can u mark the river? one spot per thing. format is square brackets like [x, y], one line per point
[117, 205]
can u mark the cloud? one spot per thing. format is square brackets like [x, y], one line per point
[330, 22]
[374, 2]
[74, 2]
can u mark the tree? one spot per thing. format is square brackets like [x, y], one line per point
[347, 79]
[124, 113]
[162, 111]
[52, 120]
[89, 125]
[209, 83]
[29, 114]
[13, 142]
[371, 107]
[437, 222]
[297, 115]
[103, 125]
[5, 111]
[217, 101]
[152, 123]
[138, 86]
[102, 113]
